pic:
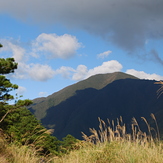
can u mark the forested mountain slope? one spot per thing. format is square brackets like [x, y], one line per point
[128, 97]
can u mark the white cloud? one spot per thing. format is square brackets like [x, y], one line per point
[43, 94]
[104, 54]
[82, 72]
[21, 90]
[40, 72]
[55, 46]
[64, 71]
[143, 75]
[32, 71]
[64, 46]
[21, 72]
[106, 67]
[18, 53]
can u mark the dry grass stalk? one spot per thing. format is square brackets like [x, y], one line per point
[157, 128]
[118, 132]
[160, 90]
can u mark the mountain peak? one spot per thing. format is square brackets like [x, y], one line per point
[98, 81]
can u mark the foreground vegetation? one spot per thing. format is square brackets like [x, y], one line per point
[19, 129]
[109, 144]
[24, 140]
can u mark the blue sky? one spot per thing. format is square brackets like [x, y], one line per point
[58, 43]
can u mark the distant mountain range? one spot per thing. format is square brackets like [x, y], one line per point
[77, 107]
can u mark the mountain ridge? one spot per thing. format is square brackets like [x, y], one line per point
[125, 97]
[105, 96]
[40, 105]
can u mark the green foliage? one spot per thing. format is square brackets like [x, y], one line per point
[5, 87]
[19, 124]
[6, 66]
[69, 143]
[23, 128]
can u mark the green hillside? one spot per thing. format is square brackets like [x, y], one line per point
[125, 97]
[41, 105]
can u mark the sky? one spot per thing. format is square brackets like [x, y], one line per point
[57, 43]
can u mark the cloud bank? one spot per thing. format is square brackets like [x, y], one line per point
[128, 23]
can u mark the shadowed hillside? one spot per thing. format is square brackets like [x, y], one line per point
[126, 97]
[41, 105]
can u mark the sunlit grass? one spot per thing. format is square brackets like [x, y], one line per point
[110, 144]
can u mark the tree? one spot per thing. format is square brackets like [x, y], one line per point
[6, 66]
[16, 121]
[19, 124]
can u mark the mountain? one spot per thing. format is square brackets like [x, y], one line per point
[41, 105]
[107, 96]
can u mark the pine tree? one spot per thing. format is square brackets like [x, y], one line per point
[19, 124]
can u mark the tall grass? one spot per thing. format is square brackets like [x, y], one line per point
[112, 144]
[109, 144]
[13, 153]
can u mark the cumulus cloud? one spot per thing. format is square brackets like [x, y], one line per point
[104, 54]
[34, 71]
[40, 72]
[143, 75]
[64, 46]
[64, 71]
[82, 72]
[37, 72]
[128, 24]
[106, 67]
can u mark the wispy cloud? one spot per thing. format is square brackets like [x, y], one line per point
[104, 54]
[21, 90]
[42, 94]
